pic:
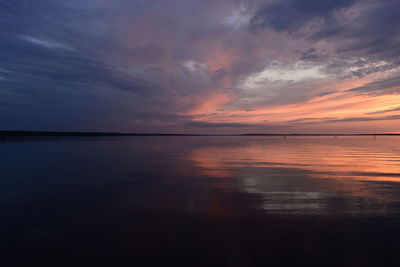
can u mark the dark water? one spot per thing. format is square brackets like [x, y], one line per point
[200, 201]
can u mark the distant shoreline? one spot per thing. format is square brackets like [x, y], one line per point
[88, 134]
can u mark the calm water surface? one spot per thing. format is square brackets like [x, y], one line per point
[200, 201]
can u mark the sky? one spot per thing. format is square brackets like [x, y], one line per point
[191, 66]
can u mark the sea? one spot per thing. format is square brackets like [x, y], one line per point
[200, 201]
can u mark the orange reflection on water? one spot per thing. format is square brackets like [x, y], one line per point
[299, 173]
[372, 160]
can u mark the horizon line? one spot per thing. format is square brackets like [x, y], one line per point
[17, 133]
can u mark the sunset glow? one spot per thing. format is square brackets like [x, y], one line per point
[240, 133]
[165, 66]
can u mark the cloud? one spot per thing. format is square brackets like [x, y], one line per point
[363, 30]
[385, 111]
[357, 119]
[216, 125]
[296, 74]
[346, 119]
[313, 55]
[291, 15]
[39, 68]
[391, 84]
[46, 43]
[164, 65]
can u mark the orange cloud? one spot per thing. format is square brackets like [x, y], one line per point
[337, 106]
[211, 104]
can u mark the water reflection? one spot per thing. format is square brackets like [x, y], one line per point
[200, 201]
[310, 175]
